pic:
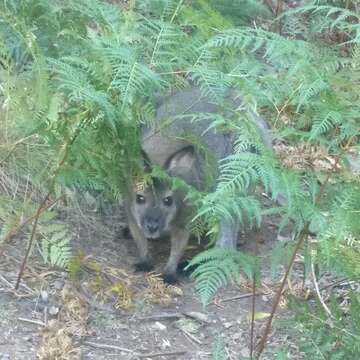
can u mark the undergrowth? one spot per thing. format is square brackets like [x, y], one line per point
[78, 78]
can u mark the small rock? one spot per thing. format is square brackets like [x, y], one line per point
[54, 310]
[188, 325]
[159, 326]
[27, 338]
[228, 325]
[165, 344]
[44, 295]
[264, 298]
[58, 284]
[282, 238]
[244, 352]
[198, 316]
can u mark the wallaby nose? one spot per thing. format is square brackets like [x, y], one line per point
[153, 221]
[152, 225]
[153, 228]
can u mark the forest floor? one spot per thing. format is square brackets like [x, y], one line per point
[110, 312]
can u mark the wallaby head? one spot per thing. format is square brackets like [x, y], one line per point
[157, 208]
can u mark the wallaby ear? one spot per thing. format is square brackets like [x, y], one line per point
[181, 163]
[146, 162]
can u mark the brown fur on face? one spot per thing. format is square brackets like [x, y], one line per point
[157, 210]
[154, 209]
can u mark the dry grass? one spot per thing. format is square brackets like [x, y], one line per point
[59, 338]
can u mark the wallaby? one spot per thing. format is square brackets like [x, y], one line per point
[159, 210]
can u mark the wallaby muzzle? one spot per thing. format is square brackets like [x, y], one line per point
[153, 223]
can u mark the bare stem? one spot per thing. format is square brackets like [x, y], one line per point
[42, 207]
[16, 229]
[302, 236]
[33, 231]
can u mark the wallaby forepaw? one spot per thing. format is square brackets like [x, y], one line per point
[183, 268]
[143, 266]
[169, 278]
[126, 234]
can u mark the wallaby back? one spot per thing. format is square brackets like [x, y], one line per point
[168, 133]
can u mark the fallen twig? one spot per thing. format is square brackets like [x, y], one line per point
[119, 348]
[239, 297]
[35, 322]
[197, 316]
[163, 316]
[108, 347]
[342, 282]
[191, 314]
[7, 282]
[171, 353]
[28, 290]
[191, 337]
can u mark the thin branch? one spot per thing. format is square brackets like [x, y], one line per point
[270, 5]
[253, 304]
[32, 237]
[334, 326]
[317, 290]
[260, 348]
[16, 230]
[252, 328]
[42, 205]
[278, 11]
[302, 236]
[13, 147]
[176, 11]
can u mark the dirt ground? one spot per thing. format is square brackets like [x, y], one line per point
[110, 312]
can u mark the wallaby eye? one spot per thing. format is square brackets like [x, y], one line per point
[140, 199]
[168, 201]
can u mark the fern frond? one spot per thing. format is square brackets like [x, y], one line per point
[133, 78]
[171, 10]
[238, 171]
[325, 121]
[307, 91]
[218, 349]
[212, 83]
[216, 268]
[330, 17]
[55, 246]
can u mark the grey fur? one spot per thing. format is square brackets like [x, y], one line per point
[167, 145]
